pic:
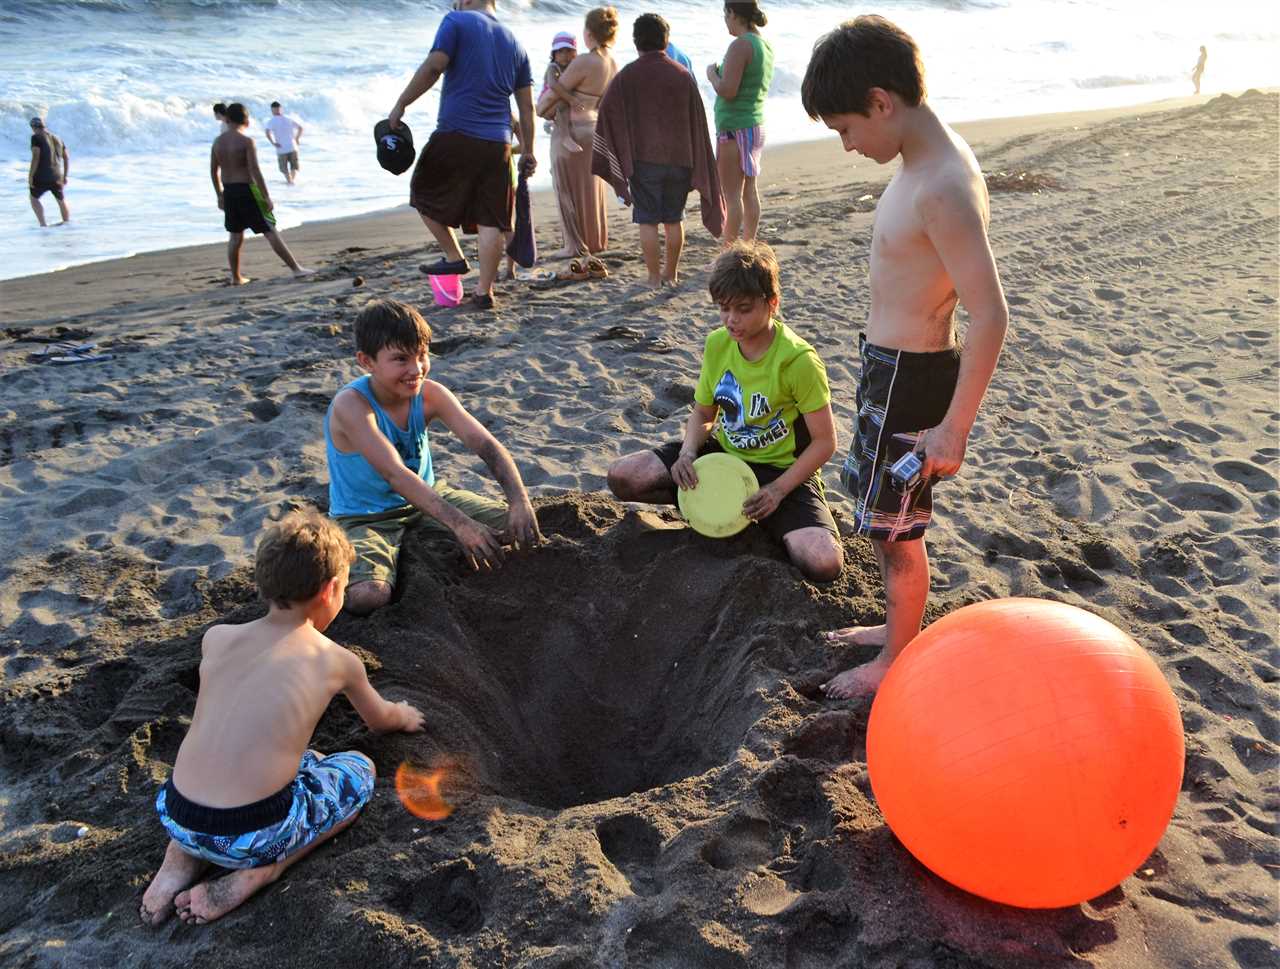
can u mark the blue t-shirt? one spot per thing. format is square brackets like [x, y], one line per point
[680, 57]
[486, 66]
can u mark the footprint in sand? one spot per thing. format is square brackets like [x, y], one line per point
[745, 843]
[633, 846]
[1249, 476]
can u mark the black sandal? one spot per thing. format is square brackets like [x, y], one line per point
[444, 267]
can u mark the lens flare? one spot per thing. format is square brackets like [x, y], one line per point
[419, 792]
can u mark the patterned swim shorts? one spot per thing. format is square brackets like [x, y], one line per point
[326, 792]
[900, 396]
[750, 145]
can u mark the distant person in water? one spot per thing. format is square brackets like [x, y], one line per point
[285, 134]
[220, 114]
[1198, 71]
[50, 165]
[242, 193]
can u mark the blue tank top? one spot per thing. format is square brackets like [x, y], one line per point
[355, 488]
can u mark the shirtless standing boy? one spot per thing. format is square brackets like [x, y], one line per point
[919, 391]
[246, 792]
[242, 193]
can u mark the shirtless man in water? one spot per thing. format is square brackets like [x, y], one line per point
[242, 193]
[920, 391]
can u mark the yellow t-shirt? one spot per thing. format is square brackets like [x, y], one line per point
[761, 401]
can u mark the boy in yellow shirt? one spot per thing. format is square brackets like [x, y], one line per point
[762, 396]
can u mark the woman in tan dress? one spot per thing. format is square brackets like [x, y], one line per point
[582, 197]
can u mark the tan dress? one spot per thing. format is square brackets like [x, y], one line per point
[582, 197]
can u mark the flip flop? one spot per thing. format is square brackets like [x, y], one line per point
[443, 267]
[64, 347]
[82, 358]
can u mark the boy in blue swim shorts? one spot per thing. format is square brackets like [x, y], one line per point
[246, 793]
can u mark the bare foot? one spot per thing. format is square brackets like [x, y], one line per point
[216, 897]
[240, 280]
[179, 871]
[302, 271]
[567, 254]
[855, 636]
[860, 681]
[655, 282]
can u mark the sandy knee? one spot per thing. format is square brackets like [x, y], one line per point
[364, 597]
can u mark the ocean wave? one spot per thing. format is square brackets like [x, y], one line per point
[1115, 80]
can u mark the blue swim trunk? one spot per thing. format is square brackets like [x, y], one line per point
[326, 792]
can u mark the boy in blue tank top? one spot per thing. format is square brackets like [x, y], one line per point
[381, 477]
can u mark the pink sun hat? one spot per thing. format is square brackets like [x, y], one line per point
[446, 289]
[564, 41]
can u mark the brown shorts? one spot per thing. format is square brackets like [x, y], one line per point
[460, 180]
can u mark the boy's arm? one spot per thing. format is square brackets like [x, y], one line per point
[355, 418]
[266, 128]
[423, 80]
[821, 425]
[251, 153]
[956, 227]
[522, 523]
[66, 162]
[728, 78]
[696, 431]
[381, 716]
[297, 133]
[213, 173]
[35, 163]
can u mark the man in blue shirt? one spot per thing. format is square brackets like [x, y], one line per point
[463, 176]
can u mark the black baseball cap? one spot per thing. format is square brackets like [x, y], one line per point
[395, 146]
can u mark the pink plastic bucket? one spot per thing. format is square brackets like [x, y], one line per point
[446, 289]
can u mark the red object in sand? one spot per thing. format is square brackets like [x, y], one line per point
[419, 792]
[1026, 751]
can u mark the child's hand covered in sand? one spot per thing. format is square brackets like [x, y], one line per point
[763, 503]
[522, 525]
[413, 719]
[480, 544]
[682, 472]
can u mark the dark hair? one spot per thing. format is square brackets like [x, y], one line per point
[275, 104]
[298, 555]
[650, 32]
[390, 323]
[219, 110]
[237, 114]
[603, 24]
[858, 55]
[745, 269]
[748, 12]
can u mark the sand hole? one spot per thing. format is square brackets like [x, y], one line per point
[576, 674]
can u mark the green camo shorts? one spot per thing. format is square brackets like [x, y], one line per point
[377, 538]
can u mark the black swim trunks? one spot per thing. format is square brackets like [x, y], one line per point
[39, 188]
[900, 396]
[245, 209]
[805, 507]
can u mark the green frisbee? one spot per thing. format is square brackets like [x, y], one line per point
[714, 507]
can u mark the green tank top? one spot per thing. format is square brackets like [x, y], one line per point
[746, 108]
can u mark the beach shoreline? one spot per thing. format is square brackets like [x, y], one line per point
[187, 269]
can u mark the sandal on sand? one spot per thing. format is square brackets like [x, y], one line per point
[479, 301]
[443, 267]
[574, 274]
[596, 269]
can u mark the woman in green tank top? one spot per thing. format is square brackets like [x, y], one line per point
[741, 85]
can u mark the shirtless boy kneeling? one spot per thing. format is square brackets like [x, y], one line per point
[919, 391]
[246, 793]
[242, 193]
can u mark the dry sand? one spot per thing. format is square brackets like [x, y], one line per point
[643, 772]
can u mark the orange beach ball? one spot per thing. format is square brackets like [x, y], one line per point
[1026, 751]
